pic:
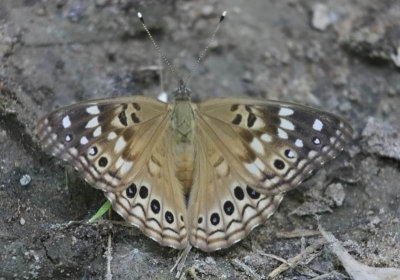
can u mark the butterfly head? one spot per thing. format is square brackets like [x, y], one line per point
[182, 93]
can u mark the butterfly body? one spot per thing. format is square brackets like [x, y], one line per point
[233, 158]
[183, 131]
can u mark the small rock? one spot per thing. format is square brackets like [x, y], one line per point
[322, 17]
[22, 221]
[375, 221]
[25, 180]
[101, 3]
[336, 193]
[381, 138]
[396, 57]
[207, 10]
[210, 260]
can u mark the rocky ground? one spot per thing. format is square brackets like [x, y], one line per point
[342, 56]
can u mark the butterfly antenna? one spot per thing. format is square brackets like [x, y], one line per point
[157, 47]
[203, 53]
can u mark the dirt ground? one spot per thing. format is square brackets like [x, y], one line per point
[342, 56]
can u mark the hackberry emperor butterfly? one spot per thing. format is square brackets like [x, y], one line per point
[232, 158]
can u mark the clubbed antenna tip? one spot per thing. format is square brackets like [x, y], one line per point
[223, 15]
[139, 14]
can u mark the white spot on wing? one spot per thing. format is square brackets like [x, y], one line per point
[258, 124]
[163, 97]
[84, 140]
[257, 146]
[73, 151]
[253, 169]
[68, 138]
[299, 143]
[285, 111]
[126, 166]
[282, 134]
[66, 122]
[120, 144]
[259, 164]
[97, 132]
[312, 154]
[112, 135]
[318, 125]
[92, 123]
[119, 162]
[93, 110]
[266, 137]
[286, 124]
[92, 151]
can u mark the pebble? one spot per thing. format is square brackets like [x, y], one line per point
[396, 57]
[25, 180]
[207, 11]
[336, 193]
[322, 17]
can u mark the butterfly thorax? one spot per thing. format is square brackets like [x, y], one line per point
[182, 131]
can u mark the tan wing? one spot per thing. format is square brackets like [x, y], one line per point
[248, 153]
[122, 146]
[223, 208]
[105, 139]
[154, 201]
[273, 145]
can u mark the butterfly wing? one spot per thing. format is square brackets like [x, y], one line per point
[273, 145]
[122, 147]
[154, 201]
[223, 209]
[249, 153]
[105, 139]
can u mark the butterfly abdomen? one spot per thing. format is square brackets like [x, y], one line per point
[184, 163]
[182, 130]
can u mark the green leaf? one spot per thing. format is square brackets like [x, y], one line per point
[103, 209]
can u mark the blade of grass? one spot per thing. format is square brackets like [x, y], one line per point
[103, 209]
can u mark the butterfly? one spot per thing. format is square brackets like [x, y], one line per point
[200, 174]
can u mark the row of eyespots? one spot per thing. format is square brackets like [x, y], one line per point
[228, 206]
[154, 204]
